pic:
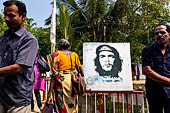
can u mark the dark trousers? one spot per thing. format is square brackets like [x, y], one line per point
[38, 98]
[158, 102]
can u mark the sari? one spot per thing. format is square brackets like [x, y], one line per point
[60, 64]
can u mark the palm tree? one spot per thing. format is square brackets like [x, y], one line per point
[86, 15]
[114, 21]
[64, 21]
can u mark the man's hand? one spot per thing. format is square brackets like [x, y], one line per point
[146, 70]
[12, 70]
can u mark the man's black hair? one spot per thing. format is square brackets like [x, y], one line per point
[21, 6]
[167, 27]
[116, 68]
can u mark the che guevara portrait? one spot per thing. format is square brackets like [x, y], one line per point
[107, 66]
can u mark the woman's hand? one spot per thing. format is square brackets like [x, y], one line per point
[49, 95]
[48, 100]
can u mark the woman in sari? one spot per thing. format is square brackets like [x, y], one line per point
[62, 62]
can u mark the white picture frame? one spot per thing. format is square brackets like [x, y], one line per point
[102, 82]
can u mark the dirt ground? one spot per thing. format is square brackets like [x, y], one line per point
[137, 84]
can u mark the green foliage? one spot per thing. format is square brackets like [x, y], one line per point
[133, 20]
[136, 50]
[29, 24]
[42, 35]
[114, 21]
[3, 25]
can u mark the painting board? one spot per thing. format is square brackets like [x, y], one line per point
[107, 83]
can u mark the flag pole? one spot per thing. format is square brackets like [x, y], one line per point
[52, 35]
[53, 28]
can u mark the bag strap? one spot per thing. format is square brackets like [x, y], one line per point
[39, 57]
[78, 70]
[71, 60]
[77, 66]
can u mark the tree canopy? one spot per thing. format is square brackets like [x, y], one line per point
[113, 21]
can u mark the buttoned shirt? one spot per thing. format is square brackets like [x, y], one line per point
[19, 48]
[153, 57]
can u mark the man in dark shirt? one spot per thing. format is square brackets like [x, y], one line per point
[18, 49]
[156, 67]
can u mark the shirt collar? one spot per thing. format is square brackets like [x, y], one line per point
[17, 33]
[156, 45]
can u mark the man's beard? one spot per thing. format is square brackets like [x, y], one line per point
[112, 73]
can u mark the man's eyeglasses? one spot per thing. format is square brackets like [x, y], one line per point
[162, 32]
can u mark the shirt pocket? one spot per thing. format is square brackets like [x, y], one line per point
[158, 61]
[11, 56]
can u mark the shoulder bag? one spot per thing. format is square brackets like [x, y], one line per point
[43, 66]
[78, 83]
